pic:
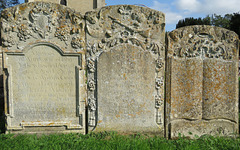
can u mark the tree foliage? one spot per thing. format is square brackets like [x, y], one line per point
[7, 3]
[235, 23]
[193, 21]
[228, 21]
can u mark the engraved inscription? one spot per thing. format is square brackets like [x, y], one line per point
[126, 79]
[44, 85]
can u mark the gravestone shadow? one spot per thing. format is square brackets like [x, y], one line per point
[2, 118]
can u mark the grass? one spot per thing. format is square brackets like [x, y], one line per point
[112, 140]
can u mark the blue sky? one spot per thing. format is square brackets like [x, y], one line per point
[180, 9]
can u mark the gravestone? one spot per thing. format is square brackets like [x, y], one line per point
[44, 74]
[202, 81]
[125, 59]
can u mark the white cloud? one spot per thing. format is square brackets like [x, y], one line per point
[171, 16]
[206, 7]
[176, 10]
[187, 5]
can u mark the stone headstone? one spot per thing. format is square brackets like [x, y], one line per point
[44, 75]
[202, 81]
[125, 59]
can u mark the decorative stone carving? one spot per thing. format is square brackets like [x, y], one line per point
[44, 69]
[209, 44]
[91, 85]
[159, 101]
[29, 22]
[114, 29]
[159, 83]
[92, 108]
[202, 77]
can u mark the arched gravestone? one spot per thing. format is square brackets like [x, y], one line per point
[44, 77]
[202, 81]
[125, 59]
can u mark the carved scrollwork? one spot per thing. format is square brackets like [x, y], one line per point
[202, 41]
[39, 20]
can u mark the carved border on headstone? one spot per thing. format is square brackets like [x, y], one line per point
[28, 22]
[80, 93]
[138, 26]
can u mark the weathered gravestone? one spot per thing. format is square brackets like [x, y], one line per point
[125, 59]
[44, 79]
[202, 81]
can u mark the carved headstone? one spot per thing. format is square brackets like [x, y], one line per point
[126, 59]
[44, 77]
[202, 81]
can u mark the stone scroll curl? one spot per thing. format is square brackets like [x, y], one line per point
[125, 60]
[202, 81]
[44, 68]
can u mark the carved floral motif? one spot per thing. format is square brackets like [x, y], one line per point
[158, 101]
[39, 20]
[159, 64]
[91, 65]
[8, 41]
[23, 32]
[91, 85]
[78, 43]
[63, 32]
[206, 42]
[159, 82]
[92, 104]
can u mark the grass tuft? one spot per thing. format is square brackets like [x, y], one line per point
[112, 140]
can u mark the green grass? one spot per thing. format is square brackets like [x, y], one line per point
[106, 140]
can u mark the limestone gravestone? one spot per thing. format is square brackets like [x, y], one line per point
[125, 59]
[44, 77]
[202, 81]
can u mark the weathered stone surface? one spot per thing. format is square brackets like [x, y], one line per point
[126, 60]
[79, 5]
[186, 89]
[202, 81]
[40, 21]
[193, 129]
[44, 72]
